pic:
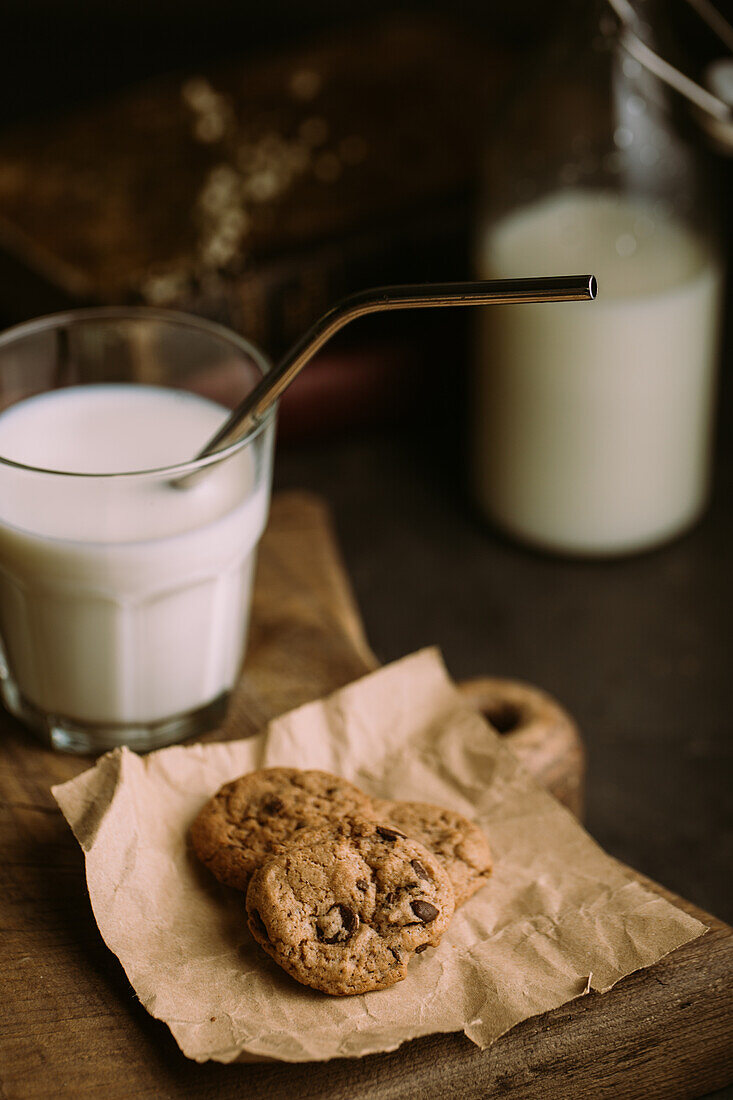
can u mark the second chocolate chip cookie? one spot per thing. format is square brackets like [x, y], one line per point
[458, 843]
[250, 818]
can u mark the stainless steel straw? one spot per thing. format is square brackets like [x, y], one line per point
[564, 288]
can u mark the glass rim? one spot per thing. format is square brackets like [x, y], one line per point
[173, 317]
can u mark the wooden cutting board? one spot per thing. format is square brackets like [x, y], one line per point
[70, 1025]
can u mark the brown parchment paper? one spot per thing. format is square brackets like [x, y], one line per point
[557, 918]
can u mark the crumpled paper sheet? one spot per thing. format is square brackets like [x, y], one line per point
[557, 918]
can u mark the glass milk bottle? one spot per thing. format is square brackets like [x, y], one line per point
[592, 423]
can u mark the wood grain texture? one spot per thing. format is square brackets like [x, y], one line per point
[71, 1027]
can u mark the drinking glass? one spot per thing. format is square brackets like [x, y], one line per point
[124, 589]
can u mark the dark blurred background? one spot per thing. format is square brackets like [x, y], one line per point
[638, 649]
[80, 48]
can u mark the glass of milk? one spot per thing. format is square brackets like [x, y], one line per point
[592, 425]
[124, 594]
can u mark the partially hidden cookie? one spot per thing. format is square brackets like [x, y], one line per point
[458, 843]
[250, 818]
[344, 910]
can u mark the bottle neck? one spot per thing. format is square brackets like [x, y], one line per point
[589, 117]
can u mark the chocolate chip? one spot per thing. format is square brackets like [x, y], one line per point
[389, 834]
[273, 805]
[340, 921]
[424, 910]
[390, 897]
[349, 918]
[259, 924]
[362, 884]
[419, 869]
[396, 954]
[421, 947]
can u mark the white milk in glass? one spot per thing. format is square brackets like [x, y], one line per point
[593, 420]
[123, 600]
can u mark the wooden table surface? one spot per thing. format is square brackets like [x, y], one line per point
[71, 1027]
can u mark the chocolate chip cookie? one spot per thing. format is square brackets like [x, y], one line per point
[252, 817]
[344, 910]
[457, 842]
